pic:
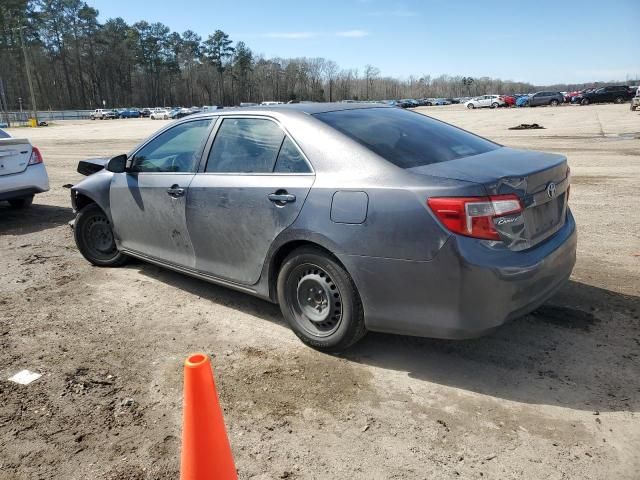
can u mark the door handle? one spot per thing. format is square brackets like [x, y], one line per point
[175, 191]
[281, 197]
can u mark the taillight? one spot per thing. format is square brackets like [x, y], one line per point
[473, 216]
[36, 157]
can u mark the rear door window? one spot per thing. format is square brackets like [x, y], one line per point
[290, 160]
[245, 145]
[406, 139]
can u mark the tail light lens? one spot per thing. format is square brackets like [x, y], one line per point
[473, 216]
[36, 157]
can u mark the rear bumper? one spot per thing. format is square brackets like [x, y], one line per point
[33, 180]
[467, 290]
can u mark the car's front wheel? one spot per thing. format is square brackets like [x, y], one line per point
[320, 301]
[585, 101]
[23, 202]
[94, 238]
[471, 106]
[619, 100]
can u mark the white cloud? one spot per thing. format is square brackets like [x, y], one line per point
[290, 35]
[352, 34]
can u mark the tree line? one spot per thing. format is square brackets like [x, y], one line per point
[79, 63]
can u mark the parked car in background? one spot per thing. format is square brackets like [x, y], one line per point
[98, 114]
[410, 102]
[492, 101]
[522, 101]
[111, 114]
[509, 100]
[159, 114]
[22, 171]
[546, 98]
[270, 103]
[129, 113]
[180, 113]
[145, 112]
[635, 101]
[352, 217]
[614, 94]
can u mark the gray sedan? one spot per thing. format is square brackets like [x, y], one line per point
[352, 217]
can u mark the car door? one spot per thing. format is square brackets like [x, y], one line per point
[251, 187]
[148, 201]
[534, 100]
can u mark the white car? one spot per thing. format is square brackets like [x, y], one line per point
[22, 172]
[159, 115]
[268, 104]
[98, 114]
[492, 101]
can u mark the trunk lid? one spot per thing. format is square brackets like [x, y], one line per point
[540, 180]
[14, 155]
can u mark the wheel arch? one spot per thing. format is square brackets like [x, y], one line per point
[282, 251]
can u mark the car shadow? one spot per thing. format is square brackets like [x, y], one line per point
[579, 350]
[33, 219]
[244, 302]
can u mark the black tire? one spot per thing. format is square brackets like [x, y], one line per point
[619, 100]
[585, 101]
[94, 238]
[320, 301]
[23, 202]
[554, 103]
[495, 105]
[471, 106]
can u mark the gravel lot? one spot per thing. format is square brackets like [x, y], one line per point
[552, 395]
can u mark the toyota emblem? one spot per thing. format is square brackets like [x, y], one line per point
[551, 190]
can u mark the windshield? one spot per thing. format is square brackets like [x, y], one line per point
[406, 139]
[4, 134]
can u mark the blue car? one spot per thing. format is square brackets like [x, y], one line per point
[129, 113]
[522, 101]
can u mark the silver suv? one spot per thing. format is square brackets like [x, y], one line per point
[546, 98]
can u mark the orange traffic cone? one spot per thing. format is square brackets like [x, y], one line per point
[206, 453]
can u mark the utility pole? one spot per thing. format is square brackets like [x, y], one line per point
[28, 69]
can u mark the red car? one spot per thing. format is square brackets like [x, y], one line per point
[508, 100]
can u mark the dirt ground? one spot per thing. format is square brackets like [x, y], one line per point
[553, 395]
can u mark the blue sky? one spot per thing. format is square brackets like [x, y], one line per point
[542, 42]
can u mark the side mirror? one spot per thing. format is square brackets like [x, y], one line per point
[117, 164]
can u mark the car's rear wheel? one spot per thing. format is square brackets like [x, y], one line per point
[495, 105]
[619, 100]
[320, 301]
[94, 238]
[22, 202]
[554, 103]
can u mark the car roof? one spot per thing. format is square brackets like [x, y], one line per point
[308, 108]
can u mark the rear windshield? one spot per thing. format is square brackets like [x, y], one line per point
[406, 139]
[4, 134]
